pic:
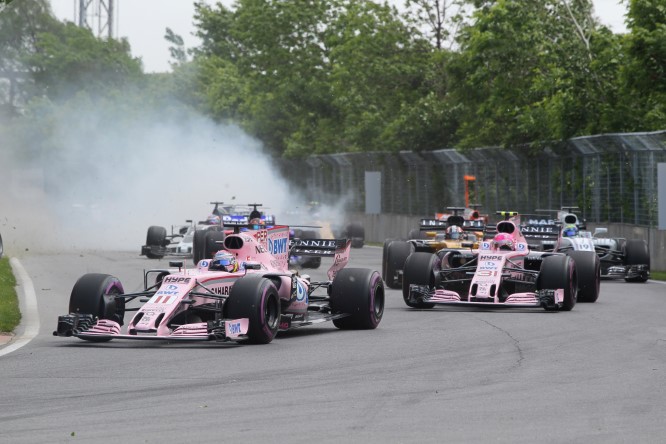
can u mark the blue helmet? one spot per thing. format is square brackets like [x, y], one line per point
[224, 261]
[570, 231]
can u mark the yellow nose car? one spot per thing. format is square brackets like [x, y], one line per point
[435, 235]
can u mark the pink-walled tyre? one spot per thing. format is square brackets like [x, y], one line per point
[588, 271]
[95, 294]
[358, 292]
[256, 298]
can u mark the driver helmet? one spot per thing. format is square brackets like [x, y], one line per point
[570, 231]
[454, 232]
[504, 241]
[213, 219]
[224, 261]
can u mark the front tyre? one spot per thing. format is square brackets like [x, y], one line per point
[396, 255]
[97, 294]
[358, 292]
[256, 298]
[419, 270]
[637, 253]
[156, 237]
[559, 272]
[588, 271]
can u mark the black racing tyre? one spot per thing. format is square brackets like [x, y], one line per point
[213, 242]
[360, 293]
[256, 298]
[198, 242]
[419, 269]
[387, 242]
[95, 294]
[588, 272]
[156, 237]
[636, 252]
[396, 254]
[356, 232]
[416, 234]
[559, 271]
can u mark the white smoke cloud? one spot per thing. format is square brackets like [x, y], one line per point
[110, 178]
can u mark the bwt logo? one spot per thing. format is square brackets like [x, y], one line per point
[234, 328]
[277, 246]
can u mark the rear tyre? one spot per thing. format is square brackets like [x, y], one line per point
[198, 242]
[416, 234]
[356, 233]
[256, 298]
[637, 253]
[358, 292]
[559, 272]
[387, 242]
[95, 294]
[213, 242]
[156, 237]
[419, 270]
[396, 254]
[588, 271]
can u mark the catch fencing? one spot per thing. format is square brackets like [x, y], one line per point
[610, 177]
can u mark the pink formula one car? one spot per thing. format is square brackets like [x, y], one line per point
[250, 302]
[502, 272]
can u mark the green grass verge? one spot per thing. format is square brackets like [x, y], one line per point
[658, 275]
[10, 316]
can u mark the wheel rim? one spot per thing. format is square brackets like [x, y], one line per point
[271, 312]
[378, 301]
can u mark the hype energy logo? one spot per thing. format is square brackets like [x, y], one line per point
[277, 246]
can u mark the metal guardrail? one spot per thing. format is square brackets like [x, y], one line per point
[610, 177]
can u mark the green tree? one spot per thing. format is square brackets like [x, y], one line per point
[20, 25]
[644, 73]
[70, 59]
[527, 71]
[311, 77]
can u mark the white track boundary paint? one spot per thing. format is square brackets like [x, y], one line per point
[28, 306]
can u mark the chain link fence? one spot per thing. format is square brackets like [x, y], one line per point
[611, 178]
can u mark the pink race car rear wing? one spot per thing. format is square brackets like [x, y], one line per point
[337, 248]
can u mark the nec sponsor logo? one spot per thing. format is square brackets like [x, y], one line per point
[277, 246]
[487, 257]
[177, 280]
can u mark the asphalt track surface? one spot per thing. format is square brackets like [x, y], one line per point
[596, 374]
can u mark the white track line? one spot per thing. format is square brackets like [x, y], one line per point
[28, 305]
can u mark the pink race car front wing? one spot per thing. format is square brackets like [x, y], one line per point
[548, 299]
[85, 326]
